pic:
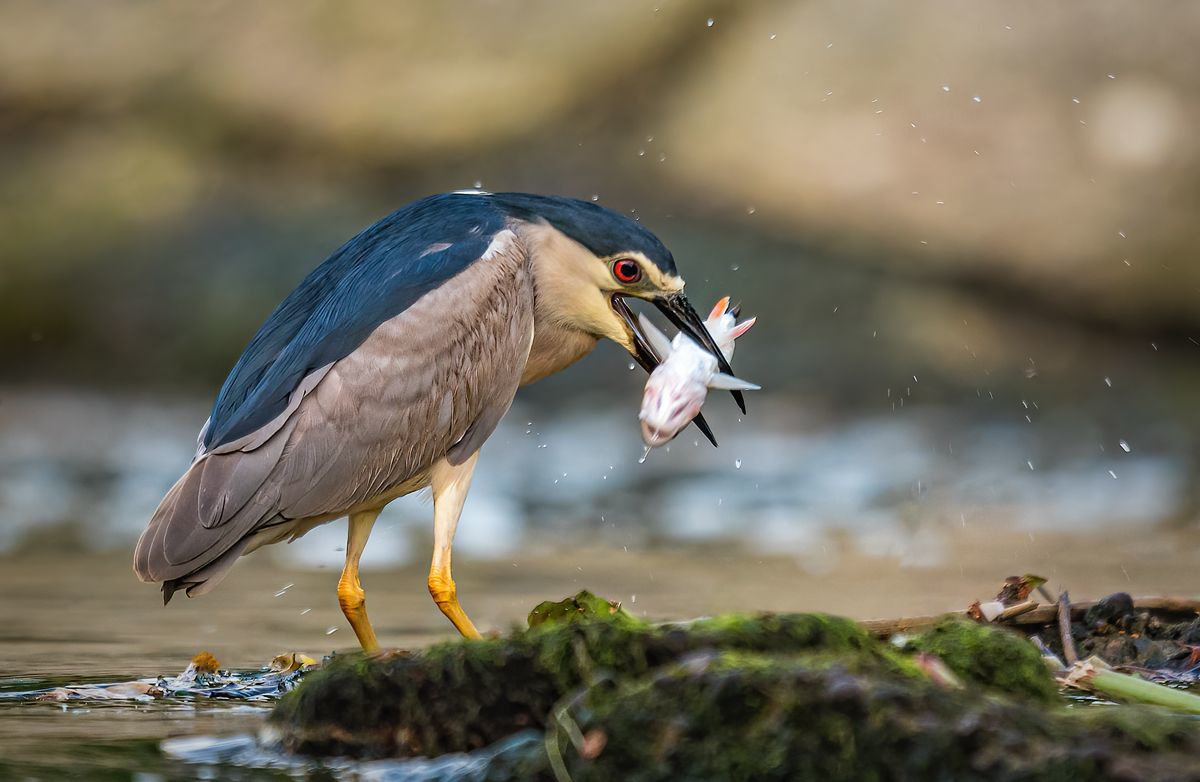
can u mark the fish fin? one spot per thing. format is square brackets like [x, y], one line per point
[742, 328]
[657, 340]
[731, 383]
[719, 309]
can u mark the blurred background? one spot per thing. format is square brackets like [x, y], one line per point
[968, 233]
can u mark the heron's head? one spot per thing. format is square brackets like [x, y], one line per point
[591, 261]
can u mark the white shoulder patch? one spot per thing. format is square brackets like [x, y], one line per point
[502, 242]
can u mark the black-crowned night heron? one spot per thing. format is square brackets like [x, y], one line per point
[387, 368]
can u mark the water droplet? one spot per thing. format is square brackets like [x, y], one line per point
[331, 631]
[751, 210]
[737, 464]
[641, 153]
[1108, 382]
[632, 366]
[945, 88]
[1125, 446]
[1113, 474]
[977, 99]
[662, 157]
[478, 184]
[283, 590]
[645, 453]
[710, 22]
[771, 36]
[305, 611]
[595, 196]
[1030, 463]
[734, 267]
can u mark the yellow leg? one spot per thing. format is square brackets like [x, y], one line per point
[350, 592]
[450, 485]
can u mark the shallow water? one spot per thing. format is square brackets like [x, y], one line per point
[900, 514]
[80, 618]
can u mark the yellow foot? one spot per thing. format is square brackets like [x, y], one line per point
[354, 606]
[446, 596]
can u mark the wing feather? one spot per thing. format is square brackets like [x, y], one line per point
[371, 428]
[370, 279]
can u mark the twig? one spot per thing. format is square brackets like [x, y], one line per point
[1042, 615]
[1064, 628]
[1012, 612]
[883, 628]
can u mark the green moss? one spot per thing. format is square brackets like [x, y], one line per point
[741, 716]
[464, 695]
[582, 606]
[993, 657]
[774, 696]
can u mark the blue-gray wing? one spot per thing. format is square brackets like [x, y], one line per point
[428, 383]
[370, 279]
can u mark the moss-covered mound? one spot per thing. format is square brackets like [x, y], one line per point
[773, 696]
[738, 717]
[994, 657]
[464, 695]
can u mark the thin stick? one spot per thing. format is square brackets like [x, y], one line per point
[1064, 628]
[1012, 612]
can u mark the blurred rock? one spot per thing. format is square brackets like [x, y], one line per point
[1044, 150]
[1023, 177]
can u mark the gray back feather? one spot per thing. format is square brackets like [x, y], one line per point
[430, 382]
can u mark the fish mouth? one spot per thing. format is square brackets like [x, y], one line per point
[643, 353]
[655, 437]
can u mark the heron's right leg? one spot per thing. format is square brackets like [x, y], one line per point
[350, 592]
[450, 484]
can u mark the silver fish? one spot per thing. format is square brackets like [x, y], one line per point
[679, 385]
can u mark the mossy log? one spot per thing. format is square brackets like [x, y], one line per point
[771, 696]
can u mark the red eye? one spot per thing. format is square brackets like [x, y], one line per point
[627, 271]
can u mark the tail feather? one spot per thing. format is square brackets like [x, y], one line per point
[204, 522]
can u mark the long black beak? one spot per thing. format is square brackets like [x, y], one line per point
[679, 311]
[647, 359]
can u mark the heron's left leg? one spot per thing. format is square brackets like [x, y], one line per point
[350, 592]
[450, 484]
